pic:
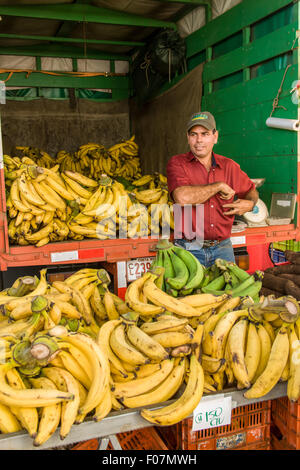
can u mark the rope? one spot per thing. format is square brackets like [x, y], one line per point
[276, 99]
[145, 66]
[60, 74]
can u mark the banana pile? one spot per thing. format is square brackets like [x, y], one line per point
[73, 350]
[91, 159]
[48, 205]
[254, 347]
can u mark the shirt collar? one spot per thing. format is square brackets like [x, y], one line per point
[215, 161]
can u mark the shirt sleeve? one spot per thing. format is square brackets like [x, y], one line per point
[176, 174]
[244, 184]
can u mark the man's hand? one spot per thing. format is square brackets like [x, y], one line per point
[239, 207]
[225, 191]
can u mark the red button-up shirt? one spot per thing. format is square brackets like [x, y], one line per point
[186, 170]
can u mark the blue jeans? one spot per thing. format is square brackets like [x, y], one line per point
[207, 256]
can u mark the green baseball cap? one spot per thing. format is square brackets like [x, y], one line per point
[204, 119]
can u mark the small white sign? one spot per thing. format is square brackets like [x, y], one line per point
[64, 256]
[238, 240]
[137, 267]
[211, 413]
[284, 203]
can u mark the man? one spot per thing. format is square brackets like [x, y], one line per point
[203, 177]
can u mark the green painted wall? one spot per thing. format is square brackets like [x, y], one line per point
[248, 50]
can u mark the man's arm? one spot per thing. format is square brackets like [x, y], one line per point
[201, 193]
[241, 206]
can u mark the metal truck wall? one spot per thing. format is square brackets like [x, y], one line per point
[251, 65]
[160, 123]
[54, 125]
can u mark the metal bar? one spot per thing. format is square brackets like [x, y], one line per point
[71, 40]
[82, 12]
[119, 421]
[36, 79]
[188, 2]
[53, 50]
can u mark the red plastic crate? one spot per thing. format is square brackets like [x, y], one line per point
[278, 442]
[286, 416]
[91, 444]
[140, 439]
[249, 429]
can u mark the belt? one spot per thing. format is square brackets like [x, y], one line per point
[206, 243]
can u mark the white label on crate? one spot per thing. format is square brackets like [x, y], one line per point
[121, 270]
[283, 203]
[212, 412]
[137, 267]
[64, 256]
[238, 240]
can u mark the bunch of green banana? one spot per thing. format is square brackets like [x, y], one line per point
[227, 277]
[183, 273]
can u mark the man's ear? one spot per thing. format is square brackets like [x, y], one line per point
[216, 134]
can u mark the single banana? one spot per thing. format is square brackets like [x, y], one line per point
[161, 298]
[293, 385]
[162, 325]
[132, 296]
[203, 300]
[109, 304]
[144, 384]
[146, 344]
[69, 410]
[163, 392]
[104, 407]
[236, 343]
[75, 368]
[253, 351]
[28, 397]
[265, 350]
[222, 329]
[8, 421]
[173, 339]
[28, 417]
[81, 179]
[125, 351]
[101, 371]
[103, 339]
[274, 368]
[50, 415]
[211, 365]
[183, 406]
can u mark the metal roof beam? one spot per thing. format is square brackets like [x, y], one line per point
[188, 2]
[72, 40]
[54, 50]
[83, 12]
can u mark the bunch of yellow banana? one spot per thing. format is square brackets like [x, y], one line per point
[94, 159]
[158, 203]
[252, 348]
[41, 201]
[68, 161]
[150, 361]
[70, 384]
[38, 156]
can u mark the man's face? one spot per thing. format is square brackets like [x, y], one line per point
[201, 141]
